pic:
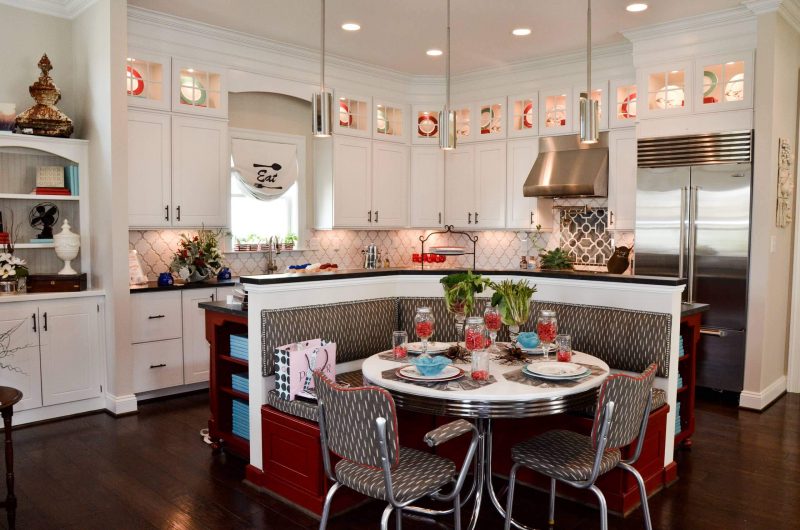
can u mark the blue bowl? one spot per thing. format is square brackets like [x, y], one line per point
[528, 339]
[430, 366]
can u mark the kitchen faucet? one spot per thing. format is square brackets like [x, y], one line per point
[271, 266]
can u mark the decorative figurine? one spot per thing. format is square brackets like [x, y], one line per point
[44, 118]
[67, 245]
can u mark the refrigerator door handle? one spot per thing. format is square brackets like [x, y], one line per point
[715, 332]
[692, 240]
[682, 232]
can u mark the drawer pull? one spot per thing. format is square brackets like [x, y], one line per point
[162, 365]
[151, 317]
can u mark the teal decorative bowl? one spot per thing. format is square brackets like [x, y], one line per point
[528, 340]
[430, 366]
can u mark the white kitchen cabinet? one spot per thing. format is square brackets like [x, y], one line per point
[459, 186]
[352, 167]
[199, 89]
[20, 369]
[390, 121]
[352, 115]
[149, 169]
[425, 124]
[157, 365]
[622, 170]
[723, 82]
[665, 90]
[390, 168]
[427, 187]
[556, 111]
[196, 357]
[491, 116]
[466, 123]
[622, 103]
[524, 212]
[200, 172]
[475, 186]
[148, 80]
[523, 115]
[155, 316]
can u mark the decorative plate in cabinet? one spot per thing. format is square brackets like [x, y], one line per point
[391, 122]
[523, 115]
[352, 115]
[725, 82]
[623, 95]
[491, 119]
[147, 80]
[667, 90]
[199, 89]
[555, 111]
[425, 124]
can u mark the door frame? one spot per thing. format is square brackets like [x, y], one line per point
[793, 371]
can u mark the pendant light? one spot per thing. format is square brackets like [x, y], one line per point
[589, 108]
[447, 118]
[321, 101]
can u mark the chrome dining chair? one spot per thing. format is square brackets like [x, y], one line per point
[359, 425]
[623, 407]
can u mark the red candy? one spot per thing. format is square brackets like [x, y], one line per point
[480, 375]
[473, 340]
[564, 356]
[424, 329]
[492, 321]
[400, 352]
[547, 331]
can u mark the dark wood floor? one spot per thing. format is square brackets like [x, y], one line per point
[153, 471]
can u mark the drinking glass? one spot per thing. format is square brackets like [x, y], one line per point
[564, 348]
[400, 344]
[423, 326]
[492, 321]
[473, 334]
[480, 365]
[547, 329]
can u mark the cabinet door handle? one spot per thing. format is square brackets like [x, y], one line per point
[440, 217]
[376, 216]
[469, 218]
[162, 365]
[45, 320]
[476, 217]
[531, 217]
[34, 322]
[166, 212]
[213, 297]
[151, 317]
[369, 216]
[178, 210]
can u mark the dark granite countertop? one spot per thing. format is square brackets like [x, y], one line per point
[221, 307]
[153, 286]
[266, 279]
[693, 308]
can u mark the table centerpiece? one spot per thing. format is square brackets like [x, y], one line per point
[513, 300]
[197, 257]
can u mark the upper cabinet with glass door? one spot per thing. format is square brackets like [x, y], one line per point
[352, 114]
[199, 89]
[491, 115]
[723, 82]
[622, 109]
[148, 80]
[466, 130]
[523, 115]
[665, 90]
[599, 94]
[390, 122]
[425, 124]
[556, 111]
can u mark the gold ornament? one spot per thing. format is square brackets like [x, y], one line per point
[44, 119]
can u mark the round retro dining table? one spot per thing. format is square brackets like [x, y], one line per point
[504, 398]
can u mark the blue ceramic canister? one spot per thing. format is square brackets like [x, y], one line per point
[224, 274]
[165, 279]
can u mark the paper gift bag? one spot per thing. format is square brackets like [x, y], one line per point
[295, 364]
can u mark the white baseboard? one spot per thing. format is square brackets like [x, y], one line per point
[61, 410]
[172, 391]
[760, 400]
[121, 404]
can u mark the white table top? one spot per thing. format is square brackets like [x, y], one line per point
[499, 392]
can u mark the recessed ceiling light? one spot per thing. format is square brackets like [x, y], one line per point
[521, 32]
[351, 26]
[131, 59]
[434, 52]
[636, 7]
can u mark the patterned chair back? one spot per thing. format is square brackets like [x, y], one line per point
[349, 416]
[630, 395]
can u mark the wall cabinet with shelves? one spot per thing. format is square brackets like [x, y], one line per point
[622, 103]
[556, 111]
[425, 124]
[149, 80]
[665, 90]
[199, 89]
[523, 115]
[723, 82]
[475, 186]
[352, 115]
[391, 122]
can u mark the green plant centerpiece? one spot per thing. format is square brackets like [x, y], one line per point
[556, 259]
[513, 300]
[198, 257]
[460, 289]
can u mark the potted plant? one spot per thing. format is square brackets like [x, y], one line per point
[555, 259]
[289, 241]
[459, 294]
[513, 301]
[198, 257]
[12, 271]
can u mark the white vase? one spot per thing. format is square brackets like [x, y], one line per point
[67, 244]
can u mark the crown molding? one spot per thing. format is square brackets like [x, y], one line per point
[788, 9]
[68, 9]
[699, 23]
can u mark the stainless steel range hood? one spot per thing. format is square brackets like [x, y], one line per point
[567, 168]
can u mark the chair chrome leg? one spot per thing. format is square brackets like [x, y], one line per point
[457, 512]
[642, 492]
[512, 479]
[326, 509]
[398, 519]
[385, 517]
[603, 508]
[552, 519]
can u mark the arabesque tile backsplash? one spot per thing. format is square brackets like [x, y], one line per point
[495, 249]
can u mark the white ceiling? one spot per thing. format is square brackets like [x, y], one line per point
[396, 33]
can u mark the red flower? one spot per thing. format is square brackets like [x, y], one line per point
[199, 262]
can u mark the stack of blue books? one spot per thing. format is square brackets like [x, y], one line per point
[681, 351]
[71, 180]
[680, 381]
[240, 383]
[239, 347]
[241, 419]
[678, 418]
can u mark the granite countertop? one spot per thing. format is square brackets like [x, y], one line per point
[221, 306]
[266, 279]
[152, 286]
[693, 308]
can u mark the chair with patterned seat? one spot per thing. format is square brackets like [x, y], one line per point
[359, 425]
[623, 407]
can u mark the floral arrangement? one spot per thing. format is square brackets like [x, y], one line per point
[12, 267]
[513, 300]
[197, 257]
[460, 289]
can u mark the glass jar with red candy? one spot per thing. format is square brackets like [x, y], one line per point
[547, 329]
[423, 326]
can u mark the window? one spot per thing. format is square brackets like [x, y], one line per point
[262, 219]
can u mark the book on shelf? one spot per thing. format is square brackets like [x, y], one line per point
[41, 241]
[51, 191]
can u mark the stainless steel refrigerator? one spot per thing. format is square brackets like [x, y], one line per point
[693, 221]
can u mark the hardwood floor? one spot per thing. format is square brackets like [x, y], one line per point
[153, 471]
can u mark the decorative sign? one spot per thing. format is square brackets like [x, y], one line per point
[783, 213]
[266, 169]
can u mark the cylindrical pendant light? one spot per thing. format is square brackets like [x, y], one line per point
[321, 101]
[447, 118]
[589, 108]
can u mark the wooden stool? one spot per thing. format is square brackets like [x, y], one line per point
[8, 398]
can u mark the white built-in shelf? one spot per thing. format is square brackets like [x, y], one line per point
[34, 197]
[35, 245]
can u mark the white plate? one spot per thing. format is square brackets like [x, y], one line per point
[538, 350]
[556, 378]
[556, 369]
[433, 347]
[410, 373]
[448, 251]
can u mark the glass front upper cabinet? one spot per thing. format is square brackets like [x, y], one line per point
[199, 89]
[623, 103]
[523, 115]
[724, 82]
[600, 94]
[390, 122]
[555, 111]
[491, 116]
[148, 80]
[352, 115]
[668, 90]
[425, 124]
[465, 132]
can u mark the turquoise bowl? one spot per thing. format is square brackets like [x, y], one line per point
[430, 366]
[528, 340]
